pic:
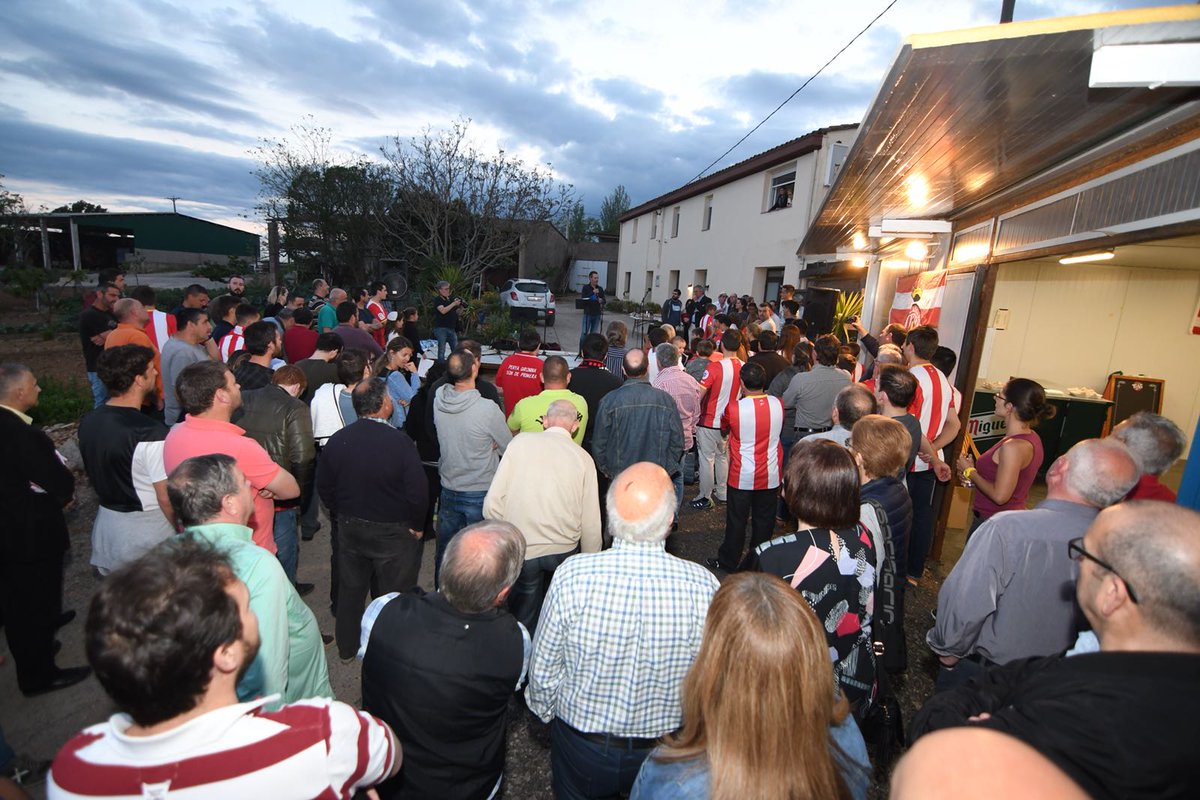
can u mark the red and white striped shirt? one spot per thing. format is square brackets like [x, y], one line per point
[721, 379]
[160, 328]
[932, 405]
[857, 375]
[755, 452]
[706, 326]
[232, 342]
[314, 748]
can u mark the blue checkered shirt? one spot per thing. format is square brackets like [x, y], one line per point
[618, 631]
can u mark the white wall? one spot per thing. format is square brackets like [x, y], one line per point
[1072, 325]
[743, 236]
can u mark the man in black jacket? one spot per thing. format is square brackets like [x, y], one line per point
[371, 480]
[35, 486]
[277, 420]
[1122, 721]
[440, 668]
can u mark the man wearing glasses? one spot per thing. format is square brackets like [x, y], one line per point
[1124, 721]
[1009, 597]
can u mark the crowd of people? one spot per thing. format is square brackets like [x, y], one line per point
[223, 428]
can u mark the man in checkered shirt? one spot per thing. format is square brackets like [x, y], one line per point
[618, 631]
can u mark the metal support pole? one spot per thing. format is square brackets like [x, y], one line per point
[76, 258]
[45, 245]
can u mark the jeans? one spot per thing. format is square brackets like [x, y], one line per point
[456, 510]
[714, 462]
[99, 391]
[585, 769]
[952, 677]
[380, 556]
[6, 753]
[525, 599]
[746, 504]
[445, 336]
[591, 324]
[921, 486]
[286, 546]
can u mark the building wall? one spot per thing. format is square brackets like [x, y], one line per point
[742, 243]
[1073, 325]
[170, 260]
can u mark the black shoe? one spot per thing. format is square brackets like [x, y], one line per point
[303, 589]
[716, 564]
[65, 618]
[326, 639]
[61, 680]
[307, 536]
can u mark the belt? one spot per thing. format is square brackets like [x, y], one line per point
[631, 742]
[810, 430]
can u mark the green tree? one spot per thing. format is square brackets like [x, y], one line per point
[18, 241]
[458, 205]
[575, 224]
[80, 207]
[328, 205]
[614, 205]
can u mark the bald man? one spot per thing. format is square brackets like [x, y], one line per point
[440, 668]
[131, 318]
[618, 631]
[980, 764]
[1120, 716]
[546, 486]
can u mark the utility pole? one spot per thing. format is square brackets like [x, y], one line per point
[173, 199]
[1006, 10]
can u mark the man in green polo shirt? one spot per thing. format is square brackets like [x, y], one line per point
[214, 501]
[327, 316]
[527, 414]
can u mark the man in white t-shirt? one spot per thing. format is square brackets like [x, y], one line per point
[180, 729]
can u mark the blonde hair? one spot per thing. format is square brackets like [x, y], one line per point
[758, 701]
[882, 443]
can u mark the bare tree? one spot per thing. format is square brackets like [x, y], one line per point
[458, 205]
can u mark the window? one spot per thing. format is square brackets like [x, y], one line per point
[837, 157]
[654, 224]
[706, 223]
[628, 279]
[634, 237]
[675, 223]
[783, 186]
[649, 284]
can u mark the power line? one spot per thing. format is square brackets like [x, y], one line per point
[793, 94]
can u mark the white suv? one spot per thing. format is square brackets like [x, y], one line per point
[530, 298]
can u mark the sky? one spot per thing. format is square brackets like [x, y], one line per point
[126, 103]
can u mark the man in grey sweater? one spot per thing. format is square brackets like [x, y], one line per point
[472, 435]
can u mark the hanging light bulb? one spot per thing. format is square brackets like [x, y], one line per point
[916, 250]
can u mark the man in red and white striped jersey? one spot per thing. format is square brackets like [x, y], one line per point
[181, 731]
[719, 385]
[235, 340]
[753, 424]
[933, 406]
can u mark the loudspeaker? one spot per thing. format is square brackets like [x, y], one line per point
[818, 310]
[394, 272]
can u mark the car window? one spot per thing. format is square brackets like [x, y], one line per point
[530, 286]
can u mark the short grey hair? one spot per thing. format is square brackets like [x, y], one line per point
[1155, 441]
[1156, 552]
[1101, 471]
[198, 486]
[560, 411]
[667, 355]
[472, 577]
[125, 308]
[443, 285]
[889, 354]
[654, 527]
[11, 374]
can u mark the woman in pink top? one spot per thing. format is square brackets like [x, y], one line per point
[1006, 470]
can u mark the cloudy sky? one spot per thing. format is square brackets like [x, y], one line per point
[128, 102]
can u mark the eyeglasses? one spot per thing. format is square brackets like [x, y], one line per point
[1001, 398]
[1077, 553]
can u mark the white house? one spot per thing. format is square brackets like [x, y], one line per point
[736, 230]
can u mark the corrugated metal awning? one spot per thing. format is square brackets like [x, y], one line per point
[964, 115]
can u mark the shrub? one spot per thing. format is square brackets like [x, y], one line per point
[61, 401]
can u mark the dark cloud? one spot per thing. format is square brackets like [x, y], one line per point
[104, 166]
[75, 56]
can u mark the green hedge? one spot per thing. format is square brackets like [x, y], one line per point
[61, 401]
